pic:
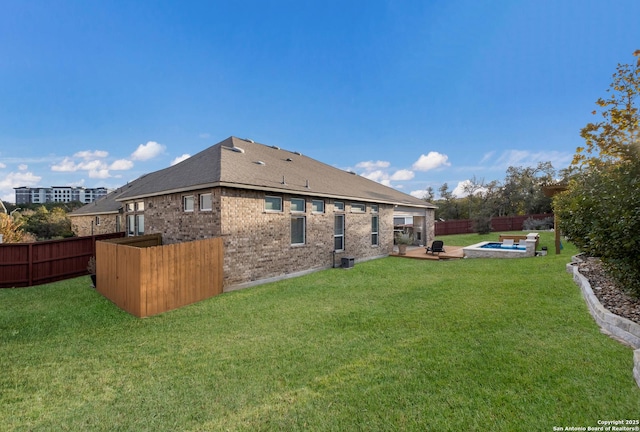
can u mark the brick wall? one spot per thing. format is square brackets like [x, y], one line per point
[86, 225]
[164, 214]
[257, 243]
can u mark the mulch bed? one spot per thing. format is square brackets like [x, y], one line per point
[604, 287]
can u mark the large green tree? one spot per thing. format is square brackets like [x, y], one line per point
[600, 211]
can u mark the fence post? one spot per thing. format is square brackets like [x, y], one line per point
[30, 258]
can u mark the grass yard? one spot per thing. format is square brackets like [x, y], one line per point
[392, 344]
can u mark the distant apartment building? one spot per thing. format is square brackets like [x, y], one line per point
[55, 194]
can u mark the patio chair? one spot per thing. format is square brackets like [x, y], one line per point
[436, 247]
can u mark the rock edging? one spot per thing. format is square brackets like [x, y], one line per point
[622, 328]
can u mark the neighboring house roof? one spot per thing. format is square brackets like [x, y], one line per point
[244, 164]
[105, 205]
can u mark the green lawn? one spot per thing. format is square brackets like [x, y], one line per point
[392, 344]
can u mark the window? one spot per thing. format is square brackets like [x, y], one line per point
[187, 203]
[205, 202]
[338, 206]
[97, 220]
[357, 208]
[338, 233]
[273, 204]
[374, 208]
[317, 206]
[297, 230]
[297, 205]
[374, 230]
[130, 207]
[131, 225]
[140, 224]
[140, 206]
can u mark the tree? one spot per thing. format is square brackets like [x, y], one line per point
[600, 211]
[45, 224]
[522, 190]
[11, 230]
[429, 194]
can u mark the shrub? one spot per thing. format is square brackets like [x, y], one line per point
[531, 224]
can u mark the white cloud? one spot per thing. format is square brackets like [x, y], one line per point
[13, 180]
[459, 190]
[147, 151]
[204, 135]
[100, 173]
[524, 158]
[88, 154]
[402, 174]
[420, 193]
[121, 165]
[431, 161]
[67, 165]
[180, 159]
[487, 156]
[371, 165]
[22, 167]
[377, 176]
[2, 165]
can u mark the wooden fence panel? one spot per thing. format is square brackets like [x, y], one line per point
[502, 223]
[27, 264]
[152, 280]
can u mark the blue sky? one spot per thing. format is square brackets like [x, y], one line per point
[409, 93]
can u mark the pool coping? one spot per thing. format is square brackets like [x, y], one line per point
[620, 328]
[476, 251]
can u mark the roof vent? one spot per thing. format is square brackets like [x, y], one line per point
[298, 153]
[275, 147]
[260, 163]
[248, 140]
[289, 160]
[237, 149]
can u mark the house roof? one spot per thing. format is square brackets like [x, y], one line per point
[245, 164]
[105, 205]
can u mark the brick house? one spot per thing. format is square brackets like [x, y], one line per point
[103, 216]
[279, 212]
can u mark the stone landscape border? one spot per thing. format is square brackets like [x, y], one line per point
[621, 328]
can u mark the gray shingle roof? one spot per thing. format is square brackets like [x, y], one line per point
[244, 164]
[105, 205]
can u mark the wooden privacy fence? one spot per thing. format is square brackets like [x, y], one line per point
[501, 223]
[28, 264]
[144, 278]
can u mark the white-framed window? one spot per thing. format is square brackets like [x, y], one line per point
[187, 203]
[358, 208]
[130, 207]
[272, 204]
[338, 232]
[131, 225]
[139, 224]
[317, 206]
[206, 204]
[140, 206]
[374, 230]
[374, 208]
[297, 205]
[298, 229]
[338, 206]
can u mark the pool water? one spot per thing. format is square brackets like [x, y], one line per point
[502, 246]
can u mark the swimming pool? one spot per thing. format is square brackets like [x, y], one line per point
[488, 249]
[496, 245]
